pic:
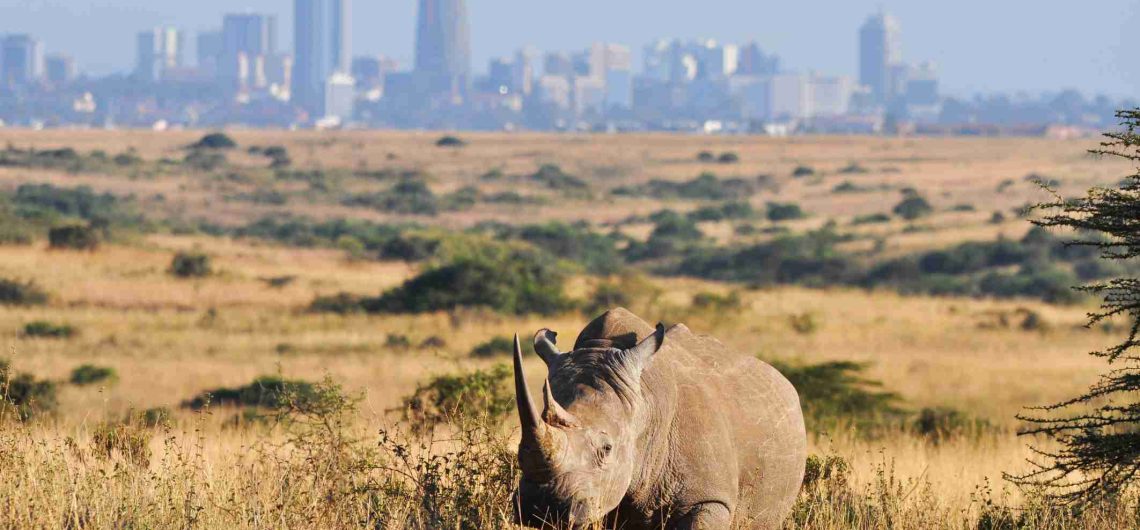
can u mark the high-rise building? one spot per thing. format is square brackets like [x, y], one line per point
[321, 49]
[59, 69]
[159, 50]
[248, 39]
[880, 50]
[210, 48]
[443, 48]
[21, 60]
[753, 61]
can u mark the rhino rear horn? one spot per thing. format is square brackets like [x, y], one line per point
[544, 346]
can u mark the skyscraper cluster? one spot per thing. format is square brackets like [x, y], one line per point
[242, 73]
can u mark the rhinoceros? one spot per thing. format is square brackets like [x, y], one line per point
[644, 428]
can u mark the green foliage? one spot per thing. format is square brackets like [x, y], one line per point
[14, 292]
[853, 169]
[48, 330]
[23, 396]
[809, 259]
[873, 218]
[778, 211]
[190, 264]
[214, 141]
[45, 201]
[836, 393]
[553, 177]
[204, 160]
[719, 303]
[74, 237]
[706, 156]
[505, 279]
[595, 253]
[608, 295]
[496, 346]
[409, 196]
[803, 171]
[480, 394]
[450, 141]
[724, 211]
[728, 157]
[265, 392]
[705, 187]
[89, 374]
[913, 206]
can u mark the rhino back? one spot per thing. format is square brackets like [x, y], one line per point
[760, 407]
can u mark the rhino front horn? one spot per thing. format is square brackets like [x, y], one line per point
[540, 444]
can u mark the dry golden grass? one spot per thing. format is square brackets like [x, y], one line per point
[169, 339]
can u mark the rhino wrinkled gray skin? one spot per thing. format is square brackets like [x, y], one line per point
[652, 429]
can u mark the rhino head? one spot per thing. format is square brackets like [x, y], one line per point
[578, 456]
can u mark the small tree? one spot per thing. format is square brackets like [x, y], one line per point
[1098, 432]
[912, 206]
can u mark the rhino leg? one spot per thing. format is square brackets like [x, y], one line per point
[704, 516]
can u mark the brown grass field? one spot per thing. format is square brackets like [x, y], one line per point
[169, 339]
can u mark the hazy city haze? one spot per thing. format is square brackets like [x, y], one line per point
[978, 45]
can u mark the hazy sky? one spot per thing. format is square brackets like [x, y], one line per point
[979, 45]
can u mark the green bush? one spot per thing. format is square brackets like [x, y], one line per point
[778, 211]
[496, 346]
[204, 160]
[803, 171]
[265, 392]
[23, 396]
[89, 374]
[555, 178]
[13, 292]
[871, 219]
[190, 264]
[728, 157]
[705, 187]
[717, 302]
[214, 141]
[724, 211]
[836, 393]
[706, 156]
[508, 280]
[913, 206]
[44, 329]
[450, 141]
[409, 196]
[75, 237]
[607, 295]
[477, 395]
[340, 303]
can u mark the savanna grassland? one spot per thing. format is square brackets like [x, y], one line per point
[303, 330]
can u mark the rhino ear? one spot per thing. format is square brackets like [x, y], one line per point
[544, 346]
[643, 353]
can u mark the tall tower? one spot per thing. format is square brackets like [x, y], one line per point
[21, 60]
[159, 50]
[321, 36]
[247, 40]
[443, 47]
[880, 51]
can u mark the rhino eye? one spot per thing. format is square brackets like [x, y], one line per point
[607, 449]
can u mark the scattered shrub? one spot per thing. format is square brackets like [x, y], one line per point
[853, 169]
[23, 396]
[214, 141]
[728, 157]
[717, 302]
[190, 265]
[496, 346]
[606, 296]
[481, 394]
[266, 392]
[556, 179]
[75, 237]
[804, 323]
[13, 292]
[45, 329]
[871, 219]
[803, 171]
[508, 280]
[397, 341]
[706, 186]
[450, 141]
[913, 206]
[204, 160]
[778, 211]
[836, 392]
[706, 156]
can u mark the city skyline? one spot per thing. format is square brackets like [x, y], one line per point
[1030, 55]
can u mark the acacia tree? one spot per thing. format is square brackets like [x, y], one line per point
[1097, 434]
